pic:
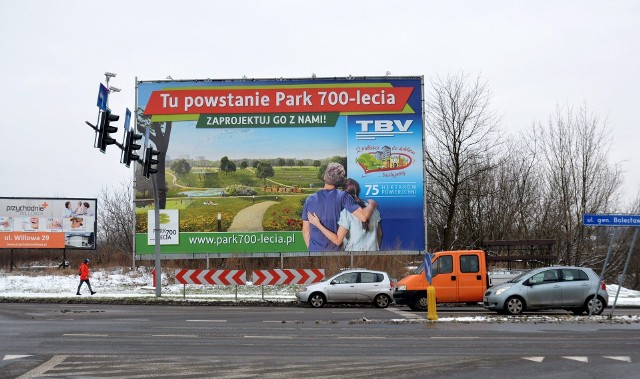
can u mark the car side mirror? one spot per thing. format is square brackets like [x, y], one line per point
[530, 282]
[332, 282]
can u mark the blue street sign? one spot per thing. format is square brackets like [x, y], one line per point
[427, 267]
[146, 138]
[103, 96]
[127, 119]
[611, 220]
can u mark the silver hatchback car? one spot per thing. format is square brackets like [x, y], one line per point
[350, 286]
[561, 287]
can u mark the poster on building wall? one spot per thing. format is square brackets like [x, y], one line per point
[239, 158]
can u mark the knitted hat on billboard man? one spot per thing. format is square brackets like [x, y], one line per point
[334, 174]
[86, 260]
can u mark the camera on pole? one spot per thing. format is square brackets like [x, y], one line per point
[130, 147]
[150, 162]
[105, 129]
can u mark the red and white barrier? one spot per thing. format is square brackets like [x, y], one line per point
[220, 277]
[287, 276]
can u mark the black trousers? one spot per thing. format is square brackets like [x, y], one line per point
[84, 281]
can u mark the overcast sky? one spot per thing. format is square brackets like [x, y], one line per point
[533, 54]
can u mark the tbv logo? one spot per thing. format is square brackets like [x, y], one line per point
[371, 129]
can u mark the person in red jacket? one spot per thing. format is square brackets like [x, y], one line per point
[83, 271]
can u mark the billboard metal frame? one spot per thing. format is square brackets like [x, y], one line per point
[50, 220]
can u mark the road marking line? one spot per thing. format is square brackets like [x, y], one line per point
[619, 358]
[84, 335]
[579, 359]
[43, 368]
[534, 359]
[362, 338]
[206, 320]
[269, 337]
[453, 338]
[10, 357]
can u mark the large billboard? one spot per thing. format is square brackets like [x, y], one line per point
[47, 223]
[239, 158]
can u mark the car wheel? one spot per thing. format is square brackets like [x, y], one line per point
[382, 301]
[317, 300]
[598, 306]
[514, 305]
[419, 303]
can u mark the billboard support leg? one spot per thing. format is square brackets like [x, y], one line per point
[156, 212]
[11, 265]
[64, 259]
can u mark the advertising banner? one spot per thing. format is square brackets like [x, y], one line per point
[45, 223]
[239, 159]
[169, 227]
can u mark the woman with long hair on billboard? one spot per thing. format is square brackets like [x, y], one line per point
[354, 234]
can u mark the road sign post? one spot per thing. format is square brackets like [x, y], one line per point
[613, 220]
[431, 290]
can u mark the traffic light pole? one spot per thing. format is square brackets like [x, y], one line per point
[129, 147]
[156, 230]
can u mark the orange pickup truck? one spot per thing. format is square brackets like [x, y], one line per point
[458, 277]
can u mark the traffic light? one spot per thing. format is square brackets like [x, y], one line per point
[104, 139]
[130, 147]
[150, 162]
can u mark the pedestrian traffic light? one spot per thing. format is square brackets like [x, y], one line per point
[150, 162]
[130, 146]
[105, 129]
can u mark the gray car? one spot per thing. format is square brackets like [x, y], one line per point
[350, 286]
[562, 287]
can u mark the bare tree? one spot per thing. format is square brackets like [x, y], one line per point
[462, 136]
[116, 220]
[579, 177]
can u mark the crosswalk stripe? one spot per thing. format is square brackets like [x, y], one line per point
[404, 314]
[43, 368]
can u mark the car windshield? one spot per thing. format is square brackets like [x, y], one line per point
[419, 269]
[517, 278]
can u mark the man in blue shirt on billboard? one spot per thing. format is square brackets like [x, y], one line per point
[327, 205]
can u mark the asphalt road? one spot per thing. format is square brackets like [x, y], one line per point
[133, 341]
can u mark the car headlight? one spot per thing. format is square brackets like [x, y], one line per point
[402, 287]
[501, 290]
[303, 289]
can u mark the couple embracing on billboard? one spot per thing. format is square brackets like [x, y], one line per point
[334, 217]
